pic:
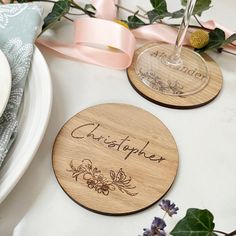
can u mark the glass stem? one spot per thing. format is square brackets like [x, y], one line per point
[175, 57]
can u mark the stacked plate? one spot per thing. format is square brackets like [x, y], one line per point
[33, 117]
[5, 82]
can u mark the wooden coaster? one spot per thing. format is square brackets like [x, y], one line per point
[184, 93]
[115, 159]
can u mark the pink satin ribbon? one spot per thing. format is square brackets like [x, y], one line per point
[92, 37]
[158, 32]
[105, 9]
[93, 33]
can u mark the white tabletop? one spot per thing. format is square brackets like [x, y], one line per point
[205, 138]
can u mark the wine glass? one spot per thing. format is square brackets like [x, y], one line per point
[172, 69]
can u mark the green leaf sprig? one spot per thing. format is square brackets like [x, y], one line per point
[196, 222]
[134, 21]
[200, 6]
[160, 11]
[62, 9]
[217, 41]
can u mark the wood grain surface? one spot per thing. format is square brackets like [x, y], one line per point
[115, 159]
[203, 94]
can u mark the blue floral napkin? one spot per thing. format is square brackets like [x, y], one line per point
[19, 25]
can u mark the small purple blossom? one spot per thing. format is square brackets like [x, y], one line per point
[147, 232]
[157, 228]
[168, 207]
[158, 223]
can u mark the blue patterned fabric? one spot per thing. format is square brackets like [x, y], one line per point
[18, 28]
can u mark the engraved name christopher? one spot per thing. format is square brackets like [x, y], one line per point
[92, 131]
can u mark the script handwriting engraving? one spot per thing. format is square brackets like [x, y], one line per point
[193, 72]
[123, 145]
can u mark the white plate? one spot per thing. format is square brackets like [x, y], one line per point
[5, 82]
[33, 122]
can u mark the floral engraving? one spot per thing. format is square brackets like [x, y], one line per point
[97, 181]
[156, 83]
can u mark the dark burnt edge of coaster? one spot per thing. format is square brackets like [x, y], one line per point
[169, 105]
[106, 213]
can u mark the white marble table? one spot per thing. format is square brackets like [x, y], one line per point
[206, 138]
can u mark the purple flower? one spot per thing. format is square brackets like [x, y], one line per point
[157, 228]
[147, 232]
[168, 207]
[160, 233]
[158, 223]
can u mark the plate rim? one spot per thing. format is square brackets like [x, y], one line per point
[8, 81]
[13, 180]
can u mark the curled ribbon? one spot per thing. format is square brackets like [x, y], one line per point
[93, 32]
[158, 32]
[90, 35]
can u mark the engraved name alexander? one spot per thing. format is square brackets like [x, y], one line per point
[124, 144]
[193, 72]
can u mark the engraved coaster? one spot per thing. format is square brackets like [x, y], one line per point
[115, 159]
[192, 89]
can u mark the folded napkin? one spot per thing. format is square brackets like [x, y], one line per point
[19, 25]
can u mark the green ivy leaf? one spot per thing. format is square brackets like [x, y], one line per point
[216, 40]
[134, 22]
[229, 40]
[90, 10]
[154, 15]
[159, 5]
[89, 7]
[178, 14]
[201, 6]
[159, 12]
[59, 9]
[196, 223]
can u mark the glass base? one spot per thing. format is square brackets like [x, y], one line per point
[186, 77]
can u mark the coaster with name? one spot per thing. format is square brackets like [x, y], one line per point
[115, 159]
[190, 89]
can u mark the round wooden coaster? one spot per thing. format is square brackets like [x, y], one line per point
[204, 91]
[115, 159]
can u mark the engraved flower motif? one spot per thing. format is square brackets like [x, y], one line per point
[105, 188]
[91, 183]
[97, 181]
[163, 86]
